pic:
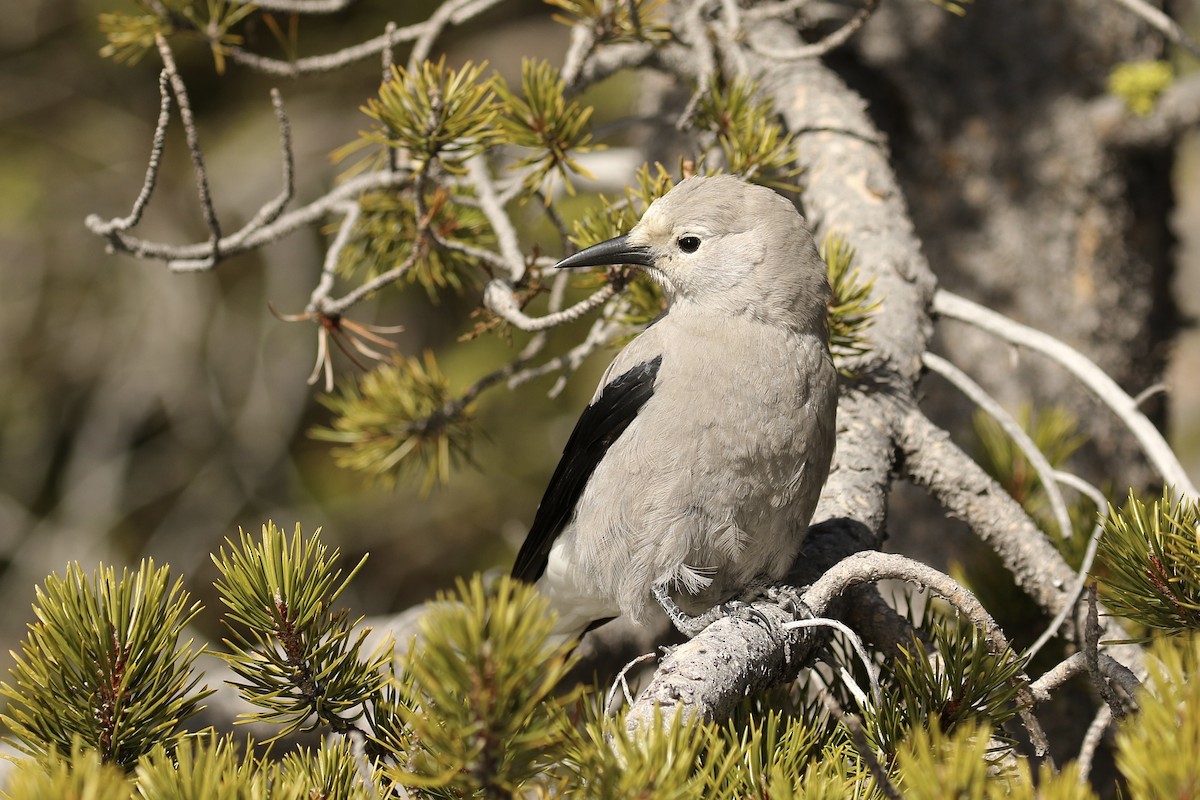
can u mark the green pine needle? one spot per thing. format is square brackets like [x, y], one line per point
[479, 705]
[1158, 749]
[333, 771]
[58, 776]
[399, 418]
[628, 20]
[298, 659]
[852, 312]
[388, 230]
[541, 119]
[752, 140]
[435, 112]
[933, 765]
[1148, 562]
[131, 36]
[966, 683]
[209, 767]
[103, 666]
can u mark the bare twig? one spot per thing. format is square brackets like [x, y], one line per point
[1085, 567]
[327, 62]
[493, 209]
[825, 45]
[599, 335]
[855, 642]
[620, 682]
[871, 567]
[364, 290]
[1114, 672]
[696, 36]
[94, 222]
[1080, 583]
[1153, 390]
[305, 6]
[193, 143]
[271, 210]
[1091, 742]
[1163, 24]
[498, 296]
[965, 490]
[1091, 655]
[761, 11]
[583, 43]
[449, 13]
[961, 381]
[351, 212]
[1103, 386]
[251, 236]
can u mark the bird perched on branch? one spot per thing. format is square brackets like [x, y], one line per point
[694, 471]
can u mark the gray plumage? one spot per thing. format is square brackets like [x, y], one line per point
[700, 459]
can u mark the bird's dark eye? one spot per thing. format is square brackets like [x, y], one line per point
[689, 244]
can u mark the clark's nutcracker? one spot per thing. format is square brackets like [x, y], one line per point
[694, 471]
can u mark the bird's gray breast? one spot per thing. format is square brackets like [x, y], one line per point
[707, 488]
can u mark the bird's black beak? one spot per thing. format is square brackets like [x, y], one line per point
[614, 251]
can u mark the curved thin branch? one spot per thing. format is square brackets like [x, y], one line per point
[193, 143]
[493, 209]
[1091, 741]
[251, 237]
[499, 298]
[305, 6]
[856, 642]
[105, 228]
[1097, 380]
[707, 675]
[1163, 24]
[819, 48]
[448, 13]
[1089, 556]
[976, 393]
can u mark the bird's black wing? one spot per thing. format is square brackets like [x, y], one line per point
[601, 424]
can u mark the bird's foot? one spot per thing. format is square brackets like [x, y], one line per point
[789, 598]
[690, 625]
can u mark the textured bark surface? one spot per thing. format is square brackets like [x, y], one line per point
[1018, 199]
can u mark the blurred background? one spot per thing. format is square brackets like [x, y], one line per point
[148, 414]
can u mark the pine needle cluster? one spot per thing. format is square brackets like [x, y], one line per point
[478, 706]
[399, 418]
[130, 36]
[635, 20]
[752, 143]
[391, 232]
[542, 120]
[297, 657]
[851, 313]
[435, 113]
[104, 666]
[1149, 563]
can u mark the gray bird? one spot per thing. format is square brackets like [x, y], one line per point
[695, 469]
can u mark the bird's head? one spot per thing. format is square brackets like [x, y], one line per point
[726, 245]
